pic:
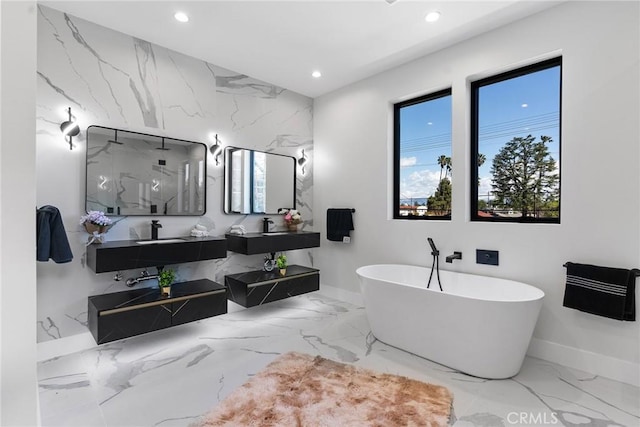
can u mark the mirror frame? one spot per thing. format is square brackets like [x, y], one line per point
[204, 196]
[226, 194]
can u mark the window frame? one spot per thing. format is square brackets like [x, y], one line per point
[474, 89]
[396, 151]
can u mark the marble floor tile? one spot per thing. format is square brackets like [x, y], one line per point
[174, 376]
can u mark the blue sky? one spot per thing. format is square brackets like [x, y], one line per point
[516, 107]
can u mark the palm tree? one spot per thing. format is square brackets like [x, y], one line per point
[448, 165]
[481, 159]
[442, 161]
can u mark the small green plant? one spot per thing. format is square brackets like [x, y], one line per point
[281, 261]
[166, 277]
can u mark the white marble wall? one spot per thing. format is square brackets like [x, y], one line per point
[115, 80]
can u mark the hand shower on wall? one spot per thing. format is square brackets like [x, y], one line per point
[436, 263]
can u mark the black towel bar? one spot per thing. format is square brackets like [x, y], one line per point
[635, 271]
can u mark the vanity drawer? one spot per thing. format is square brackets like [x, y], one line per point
[125, 314]
[259, 287]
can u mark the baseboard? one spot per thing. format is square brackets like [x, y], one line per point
[351, 297]
[63, 346]
[594, 363]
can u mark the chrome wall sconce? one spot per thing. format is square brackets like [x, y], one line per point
[302, 162]
[70, 129]
[216, 150]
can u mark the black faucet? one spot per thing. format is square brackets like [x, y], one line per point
[155, 224]
[456, 255]
[265, 224]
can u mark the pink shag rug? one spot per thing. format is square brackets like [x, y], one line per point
[301, 390]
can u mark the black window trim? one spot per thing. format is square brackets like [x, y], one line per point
[396, 152]
[475, 85]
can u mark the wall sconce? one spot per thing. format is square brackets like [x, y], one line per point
[70, 129]
[302, 162]
[216, 150]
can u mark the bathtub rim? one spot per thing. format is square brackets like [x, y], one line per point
[534, 289]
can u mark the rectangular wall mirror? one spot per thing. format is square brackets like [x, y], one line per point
[130, 173]
[256, 182]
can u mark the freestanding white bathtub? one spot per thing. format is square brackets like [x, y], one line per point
[478, 325]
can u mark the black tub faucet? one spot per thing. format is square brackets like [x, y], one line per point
[155, 224]
[456, 255]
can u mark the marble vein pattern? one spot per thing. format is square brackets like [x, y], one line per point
[116, 80]
[197, 365]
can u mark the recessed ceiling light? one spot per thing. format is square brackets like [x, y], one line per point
[317, 74]
[432, 16]
[181, 17]
[524, 105]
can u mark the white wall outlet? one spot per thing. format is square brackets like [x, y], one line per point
[346, 239]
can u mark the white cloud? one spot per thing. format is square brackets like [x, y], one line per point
[420, 184]
[408, 161]
[485, 186]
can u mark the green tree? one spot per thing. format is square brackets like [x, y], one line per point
[524, 176]
[440, 203]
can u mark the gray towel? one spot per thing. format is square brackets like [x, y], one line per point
[51, 237]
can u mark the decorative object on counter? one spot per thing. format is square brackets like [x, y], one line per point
[165, 279]
[281, 262]
[237, 229]
[269, 262]
[291, 218]
[51, 236]
[96, 224]
[199, 231]
[339, 224]
[603, 291]
[285, 393]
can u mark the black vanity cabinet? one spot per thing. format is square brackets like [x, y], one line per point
[259, 287]
[138, 311]
[131, 254]
[262, 243]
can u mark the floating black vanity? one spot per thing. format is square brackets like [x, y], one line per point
[259, 287]
[130, 254]
[138, 311]
[262, 243]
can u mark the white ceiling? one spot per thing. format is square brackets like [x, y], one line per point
[282, 42]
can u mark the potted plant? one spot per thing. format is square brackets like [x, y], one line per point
[165, 279]
[281, 262]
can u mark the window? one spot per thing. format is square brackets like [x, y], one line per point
[422, 157]
[515, 131]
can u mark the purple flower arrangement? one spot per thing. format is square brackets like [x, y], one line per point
[95, 217]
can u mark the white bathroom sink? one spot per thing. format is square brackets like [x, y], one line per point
[159, 241]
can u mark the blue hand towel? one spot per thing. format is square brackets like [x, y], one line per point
[51, 237]
[605, 291]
